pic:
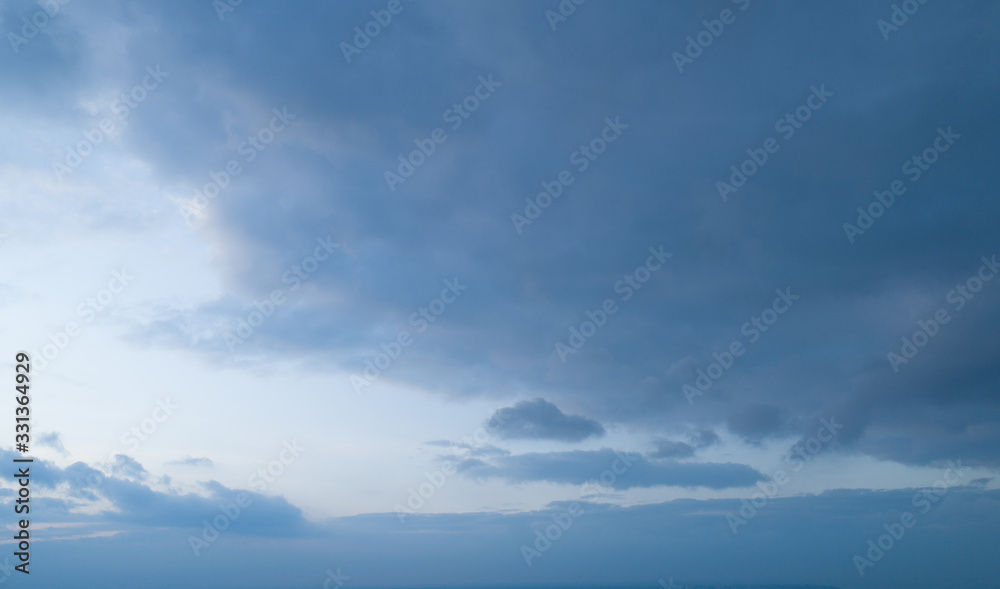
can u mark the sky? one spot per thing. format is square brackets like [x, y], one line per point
[561, 293]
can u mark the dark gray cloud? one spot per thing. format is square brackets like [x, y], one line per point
[704, 438]
[758, 422]
[672, 449]
[452, 218]
[579, 466]
[539, 419]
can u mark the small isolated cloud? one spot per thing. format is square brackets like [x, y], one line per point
[51, 440]
[539, 419]
[191, 461]
[580, 466]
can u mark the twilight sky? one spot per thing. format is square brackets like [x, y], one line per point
[443, 292]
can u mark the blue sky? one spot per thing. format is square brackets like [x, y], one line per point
[703, 291]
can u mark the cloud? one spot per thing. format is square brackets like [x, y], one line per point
[52, 440]
[134, 501]
[579, 466]
[528, 290]
[671, 449]
[534, 286]
[758, 422]
[606, 545]
[704, 438]
[539, 419]
[190, 461]
[125, 466]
